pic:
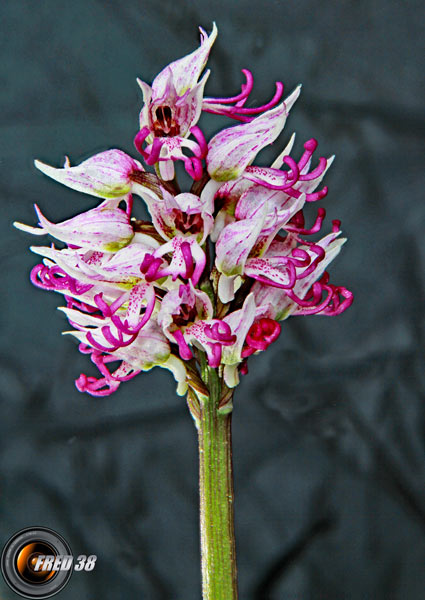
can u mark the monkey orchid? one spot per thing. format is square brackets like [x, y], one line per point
[204, 285]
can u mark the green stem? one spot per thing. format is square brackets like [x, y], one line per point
[216, 496]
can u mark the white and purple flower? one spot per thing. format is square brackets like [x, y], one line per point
[209, 279]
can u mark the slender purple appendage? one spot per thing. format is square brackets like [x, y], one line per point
[110, 382]
[222, 335]
[331, 305]
[83, 306]
[298, 259]
[193, 166]
[318, 250]
[214, 356]
[139, 139]
[239, 112]
[116, 342]
[184, 350]
[243, 369]
[309, 147]
[336, 225]
[129, 205]
[296, 224]
[193, 258]
[126, 328]
[246, 89]
[108, 311]
[152, 152]
[286, 180]
[55, 278]
[188, 260]
[221, 332]
[150, 266]
[202, 142]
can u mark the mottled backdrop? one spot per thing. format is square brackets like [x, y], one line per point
[329, 424]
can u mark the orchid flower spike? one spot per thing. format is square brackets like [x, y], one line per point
[206, 282]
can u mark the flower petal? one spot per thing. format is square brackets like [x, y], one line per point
[240, 322]
[186, 71]
[236, 242]
[177, 368]
[187, 296]
[105, 175]
[102, 228]
[233, 149]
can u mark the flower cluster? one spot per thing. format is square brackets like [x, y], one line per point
[219, 266]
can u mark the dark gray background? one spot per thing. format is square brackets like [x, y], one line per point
[329, 424]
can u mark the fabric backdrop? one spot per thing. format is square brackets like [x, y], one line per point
[329, 424]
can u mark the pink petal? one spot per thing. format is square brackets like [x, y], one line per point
[105, 175]
[233, 149]
[236, 242]
[187, 70]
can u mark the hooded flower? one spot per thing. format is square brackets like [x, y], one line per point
[174, 102]
[186, 316]
[183, 214]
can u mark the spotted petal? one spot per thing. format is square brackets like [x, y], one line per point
[274, 301]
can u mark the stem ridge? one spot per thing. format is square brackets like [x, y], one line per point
[218, 555]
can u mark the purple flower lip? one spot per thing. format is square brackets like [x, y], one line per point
[261, 334]
[221, 332]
